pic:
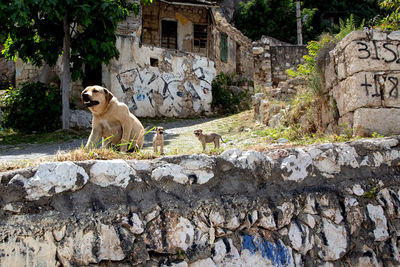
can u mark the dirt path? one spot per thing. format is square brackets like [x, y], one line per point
[236, 131]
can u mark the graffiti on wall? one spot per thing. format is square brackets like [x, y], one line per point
[386, 51]
[382, 84]
[152, 93]
[376, 89]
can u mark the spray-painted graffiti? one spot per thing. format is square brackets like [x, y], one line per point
[275, 251]
[386, 51]
[173, 94]
[381, 84]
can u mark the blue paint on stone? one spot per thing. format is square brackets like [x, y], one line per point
[274, 251]
[141, 97]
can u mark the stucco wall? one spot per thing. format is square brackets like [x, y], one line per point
[179, 87]
[322, 205]
[240, 58]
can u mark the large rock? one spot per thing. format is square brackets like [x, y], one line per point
[385, 121]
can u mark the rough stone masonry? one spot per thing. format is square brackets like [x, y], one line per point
[362, 81]
[322, 205]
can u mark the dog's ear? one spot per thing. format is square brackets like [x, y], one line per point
[108, 95]
[83, 102]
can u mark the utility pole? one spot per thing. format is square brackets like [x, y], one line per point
[298, 17]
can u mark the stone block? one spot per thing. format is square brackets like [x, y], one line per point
[258, 50]
[377, 215]
[371, 56]
[357, 91]
[330, 75]
[385, 121]
[389, 83]
[378, 35]
[395, 35]
[354, 36]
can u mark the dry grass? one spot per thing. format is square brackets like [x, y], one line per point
[101, 154]
[77, 155]
[20, 164]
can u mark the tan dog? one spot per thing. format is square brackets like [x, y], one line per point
[207, 138]
[112, 120]
[158, 140]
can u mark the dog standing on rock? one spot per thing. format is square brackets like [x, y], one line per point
[208, 138]
[158, 140]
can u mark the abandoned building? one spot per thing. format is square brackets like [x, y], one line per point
[169, 55]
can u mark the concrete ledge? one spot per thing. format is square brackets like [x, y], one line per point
[316, 205]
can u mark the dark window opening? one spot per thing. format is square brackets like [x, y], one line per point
[238, 59]
[223, 46]
[153, 62]
[92, 75]
[169, 34]
[200, 38]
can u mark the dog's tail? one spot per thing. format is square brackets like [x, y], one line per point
[222, 140]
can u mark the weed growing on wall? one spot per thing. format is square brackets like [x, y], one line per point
[227, 96]
[307, 105]
[32, 107]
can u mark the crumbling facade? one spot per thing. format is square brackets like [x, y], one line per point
[272, 58]
[169, 56]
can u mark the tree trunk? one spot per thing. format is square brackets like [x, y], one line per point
[66, 76]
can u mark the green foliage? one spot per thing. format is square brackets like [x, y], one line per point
[376, 135]
[348, 26]
[328, 14]
[392, 20]
[371, 193]
[314, 48]
[226, 101]
[275, 18]
[306, 106]
[33, 30]
[32, 107]
[278, 18]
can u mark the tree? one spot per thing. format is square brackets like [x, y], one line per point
[392, 20]
[329, 13]
[276, 18]
[83, 32]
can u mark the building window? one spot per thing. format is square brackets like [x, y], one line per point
[169, 34]
[224, 47]
[200, 38]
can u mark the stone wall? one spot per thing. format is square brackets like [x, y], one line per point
[323, 205]
[7, 71]
[362, 76]
[272, 58]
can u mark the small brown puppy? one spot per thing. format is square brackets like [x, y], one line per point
[111, 121]
[207, 138]
[158, 140]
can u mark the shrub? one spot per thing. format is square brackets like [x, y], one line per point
[306, 107]
[224, 99]
[32, 107]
